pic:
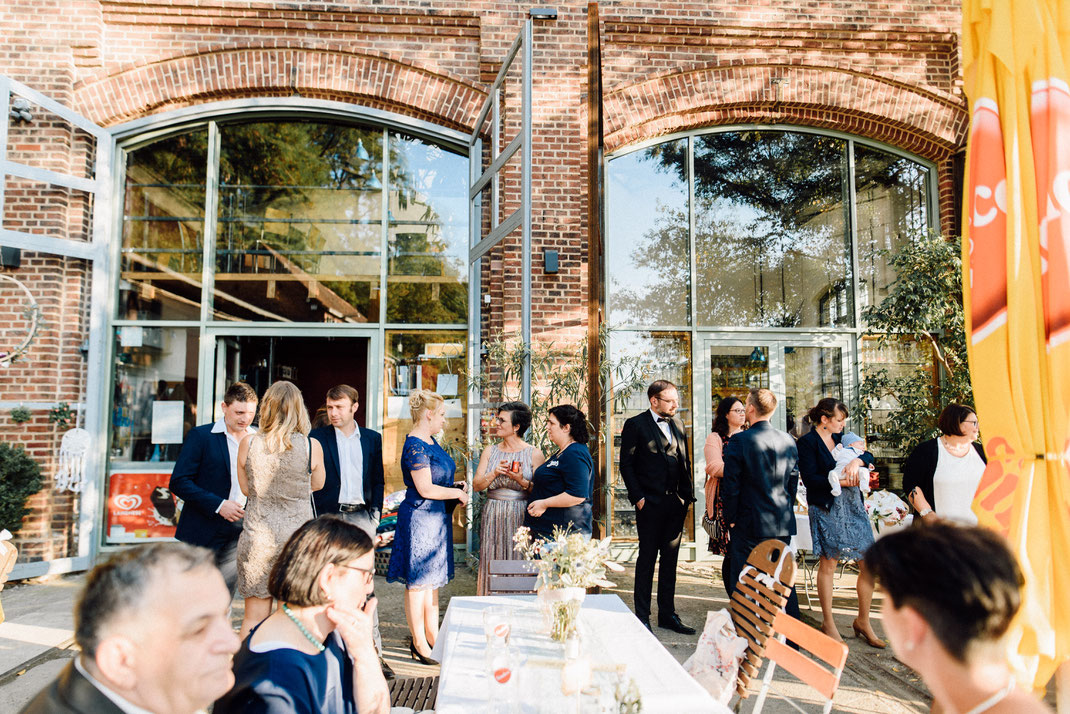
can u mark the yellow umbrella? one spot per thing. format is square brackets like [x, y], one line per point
[1016, 237]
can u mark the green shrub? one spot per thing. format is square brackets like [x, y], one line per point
[20, 478]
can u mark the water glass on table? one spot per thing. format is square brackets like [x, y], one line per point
[497, 624]
[502, 665]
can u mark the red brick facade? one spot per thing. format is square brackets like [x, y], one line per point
[887, 71]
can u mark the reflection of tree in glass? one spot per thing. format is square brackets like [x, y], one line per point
[281, 170]
[424, 248]
[778, 198]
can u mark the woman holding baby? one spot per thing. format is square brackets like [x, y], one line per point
[838, 522]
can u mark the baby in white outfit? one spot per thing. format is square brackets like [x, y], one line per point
[851, 447]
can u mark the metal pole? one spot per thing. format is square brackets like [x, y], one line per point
[525, 204]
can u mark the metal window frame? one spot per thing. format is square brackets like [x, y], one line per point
[702, 337]
[96, 253]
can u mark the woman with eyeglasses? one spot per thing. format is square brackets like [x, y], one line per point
[315, 653]
[729, 419]
[505, 471]
[940, 476]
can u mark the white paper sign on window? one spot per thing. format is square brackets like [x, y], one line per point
[167, 422]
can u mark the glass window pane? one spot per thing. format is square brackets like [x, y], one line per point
[735, 370]
[300, 222]
[428, 233]
[647, 246]
[163, 229]
[425, 360]
[891, 194]
[662, 355]
[772, 241]
[155, 392]
[811, 374]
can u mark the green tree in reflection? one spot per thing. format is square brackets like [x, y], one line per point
[778, 201]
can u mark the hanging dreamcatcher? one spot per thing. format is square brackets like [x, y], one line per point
[18, 334]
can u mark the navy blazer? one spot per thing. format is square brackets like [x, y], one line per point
[371, 446]
[815, 462]
[201, 478]
[760, 481]
[645, 464]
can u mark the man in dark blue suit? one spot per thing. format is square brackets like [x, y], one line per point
[205, 478]
[761, 476]
[353, 460]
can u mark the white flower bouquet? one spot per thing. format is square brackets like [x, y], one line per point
[568, 560]
[885, 509]
[567, 564]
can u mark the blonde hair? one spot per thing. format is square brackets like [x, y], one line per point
[421, 400]
[282, 414]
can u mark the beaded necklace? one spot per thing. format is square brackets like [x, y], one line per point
[304, 630]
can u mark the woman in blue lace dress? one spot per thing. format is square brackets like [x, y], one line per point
[838, 524]
[422, 556]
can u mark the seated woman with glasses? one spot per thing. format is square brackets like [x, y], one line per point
[941, 475]
[315, 653]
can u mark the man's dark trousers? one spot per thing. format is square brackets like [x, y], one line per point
[660, 527]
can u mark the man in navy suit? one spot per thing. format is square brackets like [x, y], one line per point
[761, 476]
[353, 460]
[655, 464]
[205, 477]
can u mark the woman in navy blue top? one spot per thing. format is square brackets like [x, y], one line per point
[838, 524]
[561, 487]
[422, 555]
[315, 653]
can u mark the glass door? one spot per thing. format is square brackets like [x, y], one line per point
[799, 369]
[315, 362]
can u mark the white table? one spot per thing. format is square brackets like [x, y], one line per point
[611, 636]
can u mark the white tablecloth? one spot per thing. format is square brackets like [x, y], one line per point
[611, 636]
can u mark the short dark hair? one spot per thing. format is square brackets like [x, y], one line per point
[951, 418]
[657, 387]
[119, 586]
[240, 392]
[519, 415]
[315, 545]
[343, 391]
[827, 408]
[574, 419]
[763, 401]
[963, 580]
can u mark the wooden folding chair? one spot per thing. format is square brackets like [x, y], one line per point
[756, 604]
[511, 577]
[832, 652]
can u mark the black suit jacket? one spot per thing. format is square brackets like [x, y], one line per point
[645, 466]
[815, 462]
[371, 446]
[760, 481]
[71, 693]
[201, 478]
[920, 468]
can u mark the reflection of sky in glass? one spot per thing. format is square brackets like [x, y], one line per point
[643, 200]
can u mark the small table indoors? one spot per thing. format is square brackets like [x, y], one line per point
[612, 639]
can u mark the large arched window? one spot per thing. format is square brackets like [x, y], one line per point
[740, 258]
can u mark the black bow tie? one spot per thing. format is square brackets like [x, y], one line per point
[663, 419]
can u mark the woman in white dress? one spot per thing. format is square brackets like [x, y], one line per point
[940, 476]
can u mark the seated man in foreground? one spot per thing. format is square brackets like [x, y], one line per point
[154, 629]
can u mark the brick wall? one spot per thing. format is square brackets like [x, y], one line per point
[886, 71]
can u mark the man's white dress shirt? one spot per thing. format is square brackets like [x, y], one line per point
[220, 427]
[663, 425]
[351, 466]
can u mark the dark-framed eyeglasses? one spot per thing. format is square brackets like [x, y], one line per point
[369, 573]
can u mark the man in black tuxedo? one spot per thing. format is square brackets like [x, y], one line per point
[655, 463]
[761, 476]
[353, 460]
[153, 627]
[205, 477]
